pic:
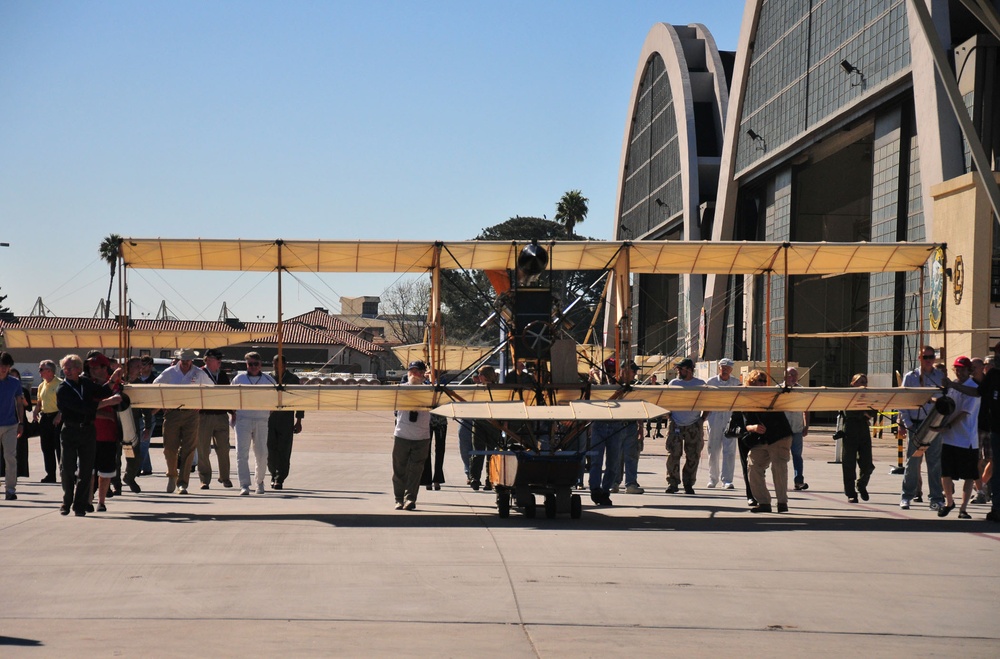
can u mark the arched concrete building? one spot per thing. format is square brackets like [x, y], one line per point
[839, 130]
[669, 173]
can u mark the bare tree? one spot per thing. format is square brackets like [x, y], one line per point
[404, 308]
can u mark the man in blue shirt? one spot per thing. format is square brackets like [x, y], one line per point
[924, 375]
[11, 421]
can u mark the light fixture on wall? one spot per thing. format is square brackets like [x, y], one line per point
[663, 204]
[758, 138]
[851, 70]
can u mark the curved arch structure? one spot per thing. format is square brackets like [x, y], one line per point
[668, 175]
[839, 129]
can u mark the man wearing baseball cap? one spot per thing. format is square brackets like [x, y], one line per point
[924, 375]
[684, 435]
[180, 427]
[411, 445]
[721, 449]
[960, 440]
[989, 392]
[213, 428]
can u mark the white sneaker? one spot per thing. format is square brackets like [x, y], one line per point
[904, 504]
[728, 486]
[182, 490]
[634, 489]
[244, 491]
[260, 488]
[711, 485]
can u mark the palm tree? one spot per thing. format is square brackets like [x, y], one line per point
[571, 210]
[109, 252]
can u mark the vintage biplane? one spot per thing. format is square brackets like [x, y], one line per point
[547, 416]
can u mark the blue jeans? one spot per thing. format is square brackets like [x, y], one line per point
[606, 447]
[630, 454]
[911, 473]
[797, 458]
[465, 442]
[145, 430]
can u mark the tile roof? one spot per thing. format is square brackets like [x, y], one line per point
[295, 331]
[320, 318]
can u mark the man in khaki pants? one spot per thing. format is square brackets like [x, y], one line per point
[180, 427]
[213, 427]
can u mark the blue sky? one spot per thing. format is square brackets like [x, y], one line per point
[301, 120]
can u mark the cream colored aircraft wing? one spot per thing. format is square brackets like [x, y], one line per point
[752, 257]
[85, 339]
[393, 397]
[581, 410]
[645, 256]
[292, 397]
[799, 399]
[60, 339]
[456, 358]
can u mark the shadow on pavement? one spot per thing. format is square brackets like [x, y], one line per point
[593, 521]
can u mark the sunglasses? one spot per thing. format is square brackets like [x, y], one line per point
[253, 363]
[927, 356]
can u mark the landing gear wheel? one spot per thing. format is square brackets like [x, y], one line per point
[550, 506]
[575, 506]
[529, 508]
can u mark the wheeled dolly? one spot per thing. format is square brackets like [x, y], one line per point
[518, 477]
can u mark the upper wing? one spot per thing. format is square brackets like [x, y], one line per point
[645, 256]
[474, 400]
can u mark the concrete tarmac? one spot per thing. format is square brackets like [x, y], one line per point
[326, 567]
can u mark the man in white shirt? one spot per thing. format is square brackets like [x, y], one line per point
[180, 427]
[960, 440]
[684, 435]
[411, 445]
[721, 449]
[251, 428]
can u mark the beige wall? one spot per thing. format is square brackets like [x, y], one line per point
[963, 220]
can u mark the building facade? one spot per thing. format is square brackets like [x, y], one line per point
[839, 129]
[670, 171]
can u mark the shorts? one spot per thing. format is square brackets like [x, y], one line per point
[959, 463]
[105, 459]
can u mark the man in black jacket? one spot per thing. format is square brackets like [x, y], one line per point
[281, 426]
[213, 428]
[78, 399]
[770, 440]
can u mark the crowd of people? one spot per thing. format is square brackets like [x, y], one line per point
[94, 443]
[961, 447]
